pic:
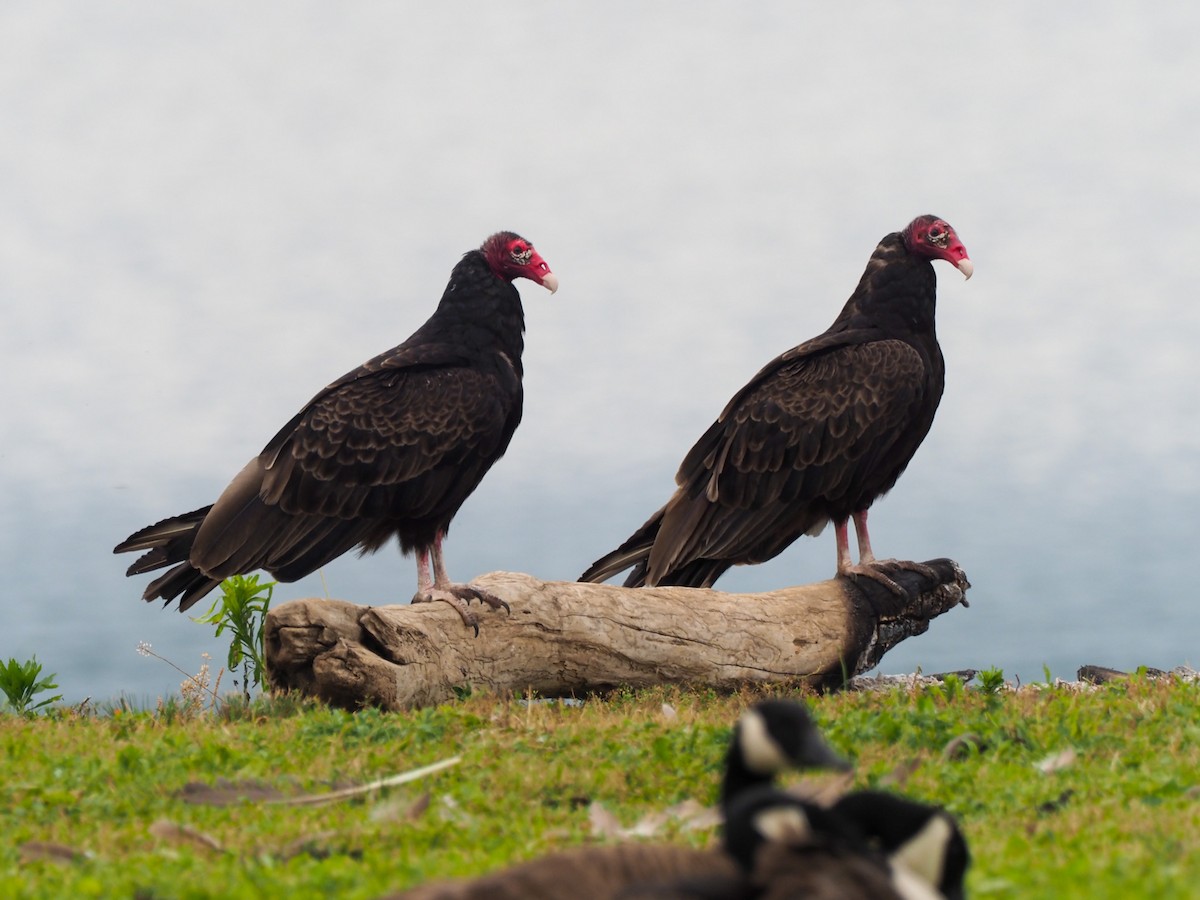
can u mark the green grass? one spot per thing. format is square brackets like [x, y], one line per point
[1121, 820]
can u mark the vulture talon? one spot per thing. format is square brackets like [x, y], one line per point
[491, 600]
[454, 600]
[469, 592]
[909, 566]
[459, 596]
[869, 570]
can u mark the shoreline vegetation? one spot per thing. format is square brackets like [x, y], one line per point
[1062, 789]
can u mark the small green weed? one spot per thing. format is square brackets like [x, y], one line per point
[952, 687]
[242, 608]
[20, 683]
[991, 681]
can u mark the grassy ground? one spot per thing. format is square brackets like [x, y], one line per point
[95, 805]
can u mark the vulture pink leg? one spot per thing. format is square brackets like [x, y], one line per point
[866, 558]
[844, 564]
[864, 540]
[440, 587]
[424, 579]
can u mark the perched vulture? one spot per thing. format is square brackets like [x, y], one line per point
[390, 449]
[818, 434]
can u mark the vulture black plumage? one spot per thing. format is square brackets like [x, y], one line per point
[817, 435]
[392, 448]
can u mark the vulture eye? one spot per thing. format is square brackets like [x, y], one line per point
[521, 254]
[938, 236]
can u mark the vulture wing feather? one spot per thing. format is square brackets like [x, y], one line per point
[800, 442]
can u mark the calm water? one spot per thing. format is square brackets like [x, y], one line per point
[210, 214]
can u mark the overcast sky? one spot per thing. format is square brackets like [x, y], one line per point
[209, 211]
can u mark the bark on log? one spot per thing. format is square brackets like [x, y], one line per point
[566, 638]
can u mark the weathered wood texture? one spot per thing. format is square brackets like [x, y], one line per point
[566, 638]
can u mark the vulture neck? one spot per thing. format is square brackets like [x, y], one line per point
[480, 312]
[897, 294]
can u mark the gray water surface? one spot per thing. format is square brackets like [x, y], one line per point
[207, 212]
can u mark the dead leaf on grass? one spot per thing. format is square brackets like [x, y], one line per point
[692, 816]
[899, 776]
[182, 834]
[603, 823]
[418, 807]
[48, 850]
[963, 746]
[688, 813]
[1056, 761]
[227, 793]
[401, 809]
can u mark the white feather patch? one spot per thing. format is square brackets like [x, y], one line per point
[924, 854]
[912, 887]
[760, 751]
[784, 824]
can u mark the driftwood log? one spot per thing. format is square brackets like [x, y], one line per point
[566, 638]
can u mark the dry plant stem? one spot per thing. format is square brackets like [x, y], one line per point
[146, 650]
[390, 781]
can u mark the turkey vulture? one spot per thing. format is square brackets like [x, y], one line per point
[818, 434]
[392, 448]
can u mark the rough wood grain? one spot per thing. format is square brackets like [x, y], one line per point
[567, 638]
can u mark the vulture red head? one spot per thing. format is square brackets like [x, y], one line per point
[934, 238]
[510, 256]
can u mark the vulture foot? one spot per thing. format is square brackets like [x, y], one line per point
[909, 566]
[458, 596]
[871, 570]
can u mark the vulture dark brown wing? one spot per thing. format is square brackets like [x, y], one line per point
[394, 440]
[806, 437]
[699, 457]
[409, 443]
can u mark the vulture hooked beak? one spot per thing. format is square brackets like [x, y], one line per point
[550, 281]
[966, 267]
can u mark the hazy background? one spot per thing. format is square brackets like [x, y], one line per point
[209, 211]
